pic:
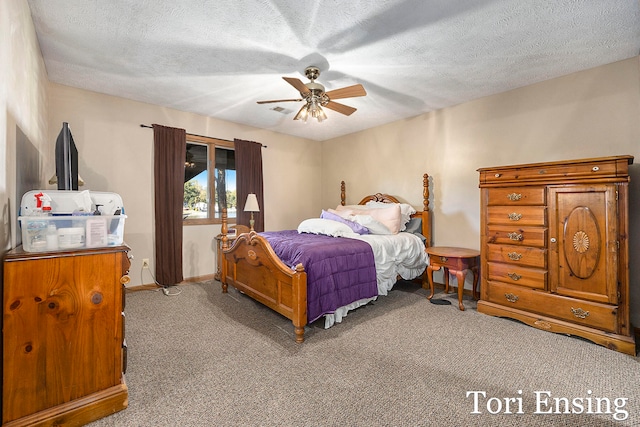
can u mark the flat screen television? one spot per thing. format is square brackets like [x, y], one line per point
[66, 160]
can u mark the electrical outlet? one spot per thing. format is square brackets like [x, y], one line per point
[145, 262]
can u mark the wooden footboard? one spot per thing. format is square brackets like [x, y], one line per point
[251, 266]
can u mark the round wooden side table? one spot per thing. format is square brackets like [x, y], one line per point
[455, 261]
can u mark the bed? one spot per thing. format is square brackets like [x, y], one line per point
[252, 265]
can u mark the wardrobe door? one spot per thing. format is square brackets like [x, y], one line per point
[583, 242]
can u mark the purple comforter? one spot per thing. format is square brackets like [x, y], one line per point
[339, 270]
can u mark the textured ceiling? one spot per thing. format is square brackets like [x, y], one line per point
[218, 57]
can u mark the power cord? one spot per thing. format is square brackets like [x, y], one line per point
[167, 292]
[165, 289]
[142, 269]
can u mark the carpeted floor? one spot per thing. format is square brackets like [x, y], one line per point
[203, 358]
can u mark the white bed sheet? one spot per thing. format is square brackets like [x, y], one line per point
[400, 254]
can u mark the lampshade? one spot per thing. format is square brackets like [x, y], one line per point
[252, 203]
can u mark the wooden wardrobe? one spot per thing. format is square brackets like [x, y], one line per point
[64, 354]
[554, 247]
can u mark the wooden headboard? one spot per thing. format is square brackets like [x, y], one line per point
[386, 198]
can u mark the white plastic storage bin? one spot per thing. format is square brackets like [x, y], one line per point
[71, 223]
[63, 233]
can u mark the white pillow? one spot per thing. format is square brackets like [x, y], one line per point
[388, 215]
[326, 227]
[406, 210]
[374, 226]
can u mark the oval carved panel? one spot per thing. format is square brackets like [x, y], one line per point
[582, 242]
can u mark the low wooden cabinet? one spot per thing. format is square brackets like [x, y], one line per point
[554, 249]
[64, 351]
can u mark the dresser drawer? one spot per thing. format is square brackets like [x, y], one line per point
[514, 235]
[550, 172]
[535, 278]
[519, 255]
[517, 215]
[516, 196]
[591, 314]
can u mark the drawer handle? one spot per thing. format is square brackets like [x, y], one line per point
[511, 297]
[514, 256]
[514, 276]
[580, 313]
[515, 236]
[595, 168]
[515, 216]
[498, 175]
[514, 197]
[443, 258]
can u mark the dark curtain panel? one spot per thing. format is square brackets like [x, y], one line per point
[249, 180]
[169, 153]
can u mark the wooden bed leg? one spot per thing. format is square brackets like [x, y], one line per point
[299, 330]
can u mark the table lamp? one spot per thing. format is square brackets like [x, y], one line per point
[251, 206]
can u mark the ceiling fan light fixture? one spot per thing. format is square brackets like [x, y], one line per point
[319, 114]
[311, 109]
[316, 97]
[189, 163]
[303, 114]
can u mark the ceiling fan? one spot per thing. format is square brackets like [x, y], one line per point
[315, 97]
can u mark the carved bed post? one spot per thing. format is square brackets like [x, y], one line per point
[225, 229]
[426, 215]
[225, 245]
[299, 318]
[342, 193]
[425, 192]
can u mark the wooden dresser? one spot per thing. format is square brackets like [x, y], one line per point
[64, 354]
[554, 249]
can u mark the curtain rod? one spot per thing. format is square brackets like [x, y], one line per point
[201, 136]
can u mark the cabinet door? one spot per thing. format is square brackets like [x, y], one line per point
[61, 334]
[584, 256]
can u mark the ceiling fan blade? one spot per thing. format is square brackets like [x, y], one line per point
[297, 83]
[347, 92]
[340, 108]
[280, 100]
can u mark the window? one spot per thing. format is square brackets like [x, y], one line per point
[207, 191]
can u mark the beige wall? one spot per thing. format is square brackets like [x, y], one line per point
[23, 104]
[588, 114]
[116, 155]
